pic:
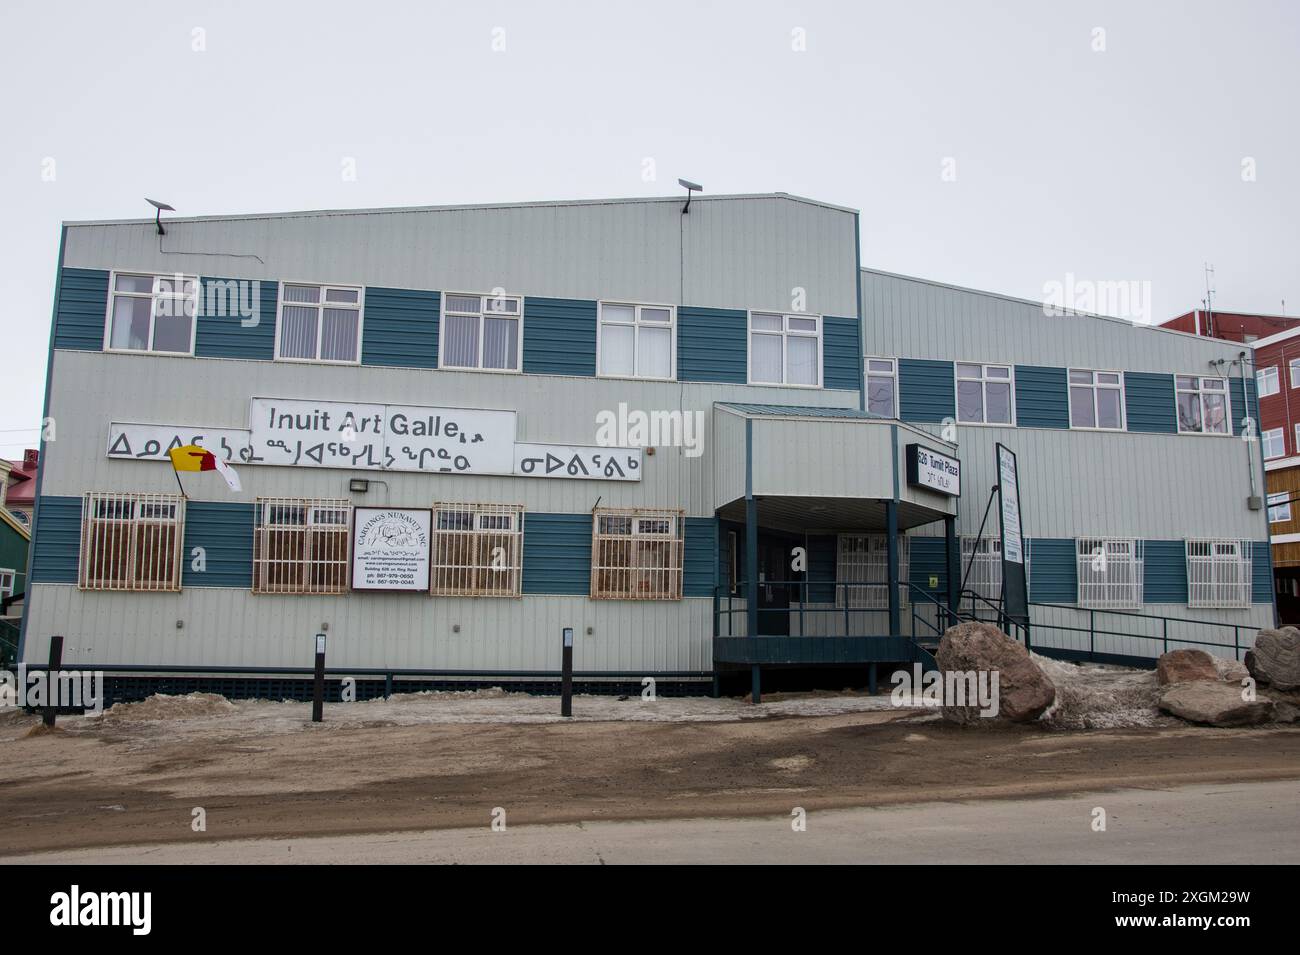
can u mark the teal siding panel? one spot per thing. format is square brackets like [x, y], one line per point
[1164, 572]
[225, 532]
[220, 330]
[841, 353]
[400, 328]
[559, 336]
[83, 308]
[1149, 402]
[926, 389]
[697, 558]
[822, 567]
[1261, 589]
[1042, 397]
[711, 344]
[928, 557]
[557, 554]
[1053, 574]
[56, 546]
[1240, 408]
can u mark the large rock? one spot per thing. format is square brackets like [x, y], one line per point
[1215, 704]
[1185, 666]
[1024, 690]
[1275, 661]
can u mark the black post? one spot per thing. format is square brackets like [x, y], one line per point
[566, 674]
[952, 550]
[318, 688]
[56, 661]
[891, 558]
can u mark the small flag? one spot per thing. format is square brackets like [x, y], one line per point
[191, 457]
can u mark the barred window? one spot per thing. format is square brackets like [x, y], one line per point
[1110, 572]
[981, 565]
[300, 546]
[863, 559]
[131, 541]
[636, 554]
[477, 550]
[1219, 573]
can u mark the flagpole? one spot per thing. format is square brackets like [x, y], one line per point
[178, 483]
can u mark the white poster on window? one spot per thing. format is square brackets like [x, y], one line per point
[390, 548]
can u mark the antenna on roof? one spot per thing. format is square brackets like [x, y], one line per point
[157, 219]
[690, 187]
[1209, 298]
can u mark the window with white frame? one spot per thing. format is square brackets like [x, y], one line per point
[1279, 507]
[1096, 400]
[985, 394]
[477, 550]
[785, 349]
[480, 331]
[862, 563]
[7, 578]
[981, 566]
[319, 323]
[1202, 405]
[152, 313]
[1295, 372]
[1266, 381]
[636, 554]
[301, 546]
[1110, 572]
[1274, 442]
[882, 387]
[637, 341]
[1219, 573]
[131, 541]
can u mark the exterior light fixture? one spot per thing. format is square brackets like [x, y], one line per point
[359, 485]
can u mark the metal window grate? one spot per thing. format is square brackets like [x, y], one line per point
[636, 554]
[477, 550]
[131, 541]
[1219, 573]
[300, 546]
[1110, 572]
[863, 559]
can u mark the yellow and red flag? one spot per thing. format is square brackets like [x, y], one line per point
[191, 457]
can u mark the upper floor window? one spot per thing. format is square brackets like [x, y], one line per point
[637, 341]
[785, 349]
[984, 394]
[1219, 573]
[882, 387]
[1274, 442]
[1266, 381]
[480, 331]
[319, 323]
[636, 554]
[1096, 400]
[300, 546]
[1279, 507]
[1202, 405]
[1295, 372]
[477, 550]
[7, 578]
[131, 541]
[152, 313]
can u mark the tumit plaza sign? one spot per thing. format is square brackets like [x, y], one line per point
[933, 470]
[360, 436]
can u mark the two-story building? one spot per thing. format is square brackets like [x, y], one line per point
[702, 440]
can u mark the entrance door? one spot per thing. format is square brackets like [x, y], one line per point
[774, 589]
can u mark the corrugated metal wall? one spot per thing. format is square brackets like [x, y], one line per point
[400, 328]
[559, 336]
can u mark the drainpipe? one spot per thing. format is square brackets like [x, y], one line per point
[1245, 400]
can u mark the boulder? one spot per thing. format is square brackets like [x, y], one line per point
[1185, 666]
[1024, 690]
[1215, 704]
[1275, 660]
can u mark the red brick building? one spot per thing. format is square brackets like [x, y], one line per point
[1242, 327]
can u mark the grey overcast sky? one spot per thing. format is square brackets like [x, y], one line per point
[1111, 156]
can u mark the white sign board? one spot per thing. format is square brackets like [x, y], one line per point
[151, 442]
[1012, 545]
[390, 548]
[564, 461]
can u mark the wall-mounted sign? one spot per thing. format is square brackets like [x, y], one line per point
[933, 471]
[353, 436]
[390, 548]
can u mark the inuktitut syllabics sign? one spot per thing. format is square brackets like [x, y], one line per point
[360, 436]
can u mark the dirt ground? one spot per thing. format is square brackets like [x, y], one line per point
[136, 773]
